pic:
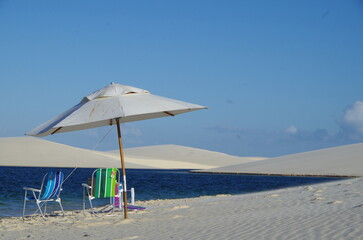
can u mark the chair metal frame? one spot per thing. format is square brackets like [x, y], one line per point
[49, 191]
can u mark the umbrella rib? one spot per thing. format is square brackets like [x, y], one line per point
[56, 130]
[170, 114]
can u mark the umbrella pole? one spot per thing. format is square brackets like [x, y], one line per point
[123, 167]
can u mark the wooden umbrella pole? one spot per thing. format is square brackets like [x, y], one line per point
[123, 167]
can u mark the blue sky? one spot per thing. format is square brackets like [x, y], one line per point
[279, 77]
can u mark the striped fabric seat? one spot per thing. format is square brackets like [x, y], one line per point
[53, 187]
[104, 184]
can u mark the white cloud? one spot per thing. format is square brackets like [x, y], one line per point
[352, 121]
[292, 130]
[353, 116]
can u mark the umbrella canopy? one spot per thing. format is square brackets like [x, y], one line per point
[114, 104]
[115, 101]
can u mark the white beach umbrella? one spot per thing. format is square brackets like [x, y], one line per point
[114, 104]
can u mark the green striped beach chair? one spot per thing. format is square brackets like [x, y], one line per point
[105, 183]
[49, 191]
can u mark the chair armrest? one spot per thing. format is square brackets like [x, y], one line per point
[86, 185]
[31, 189]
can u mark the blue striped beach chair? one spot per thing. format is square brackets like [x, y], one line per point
[49, 191]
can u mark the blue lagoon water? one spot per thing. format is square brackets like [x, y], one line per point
[148, 184]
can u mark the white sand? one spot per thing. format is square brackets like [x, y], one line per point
[36, 152]
[338, 161]
[326, 211]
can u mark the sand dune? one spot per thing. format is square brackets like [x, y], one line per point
[36, 152]
[180, 157]
[338, 161]
[28, 151]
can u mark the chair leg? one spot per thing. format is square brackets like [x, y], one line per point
[84, 201]
[40, 209]
[60, 204]
[45, 208]
[26, 193]
[42, 205]
[90, 203]
[112, 205]
[121, 200]
[132, 196]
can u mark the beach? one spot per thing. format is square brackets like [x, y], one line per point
[331, 210]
